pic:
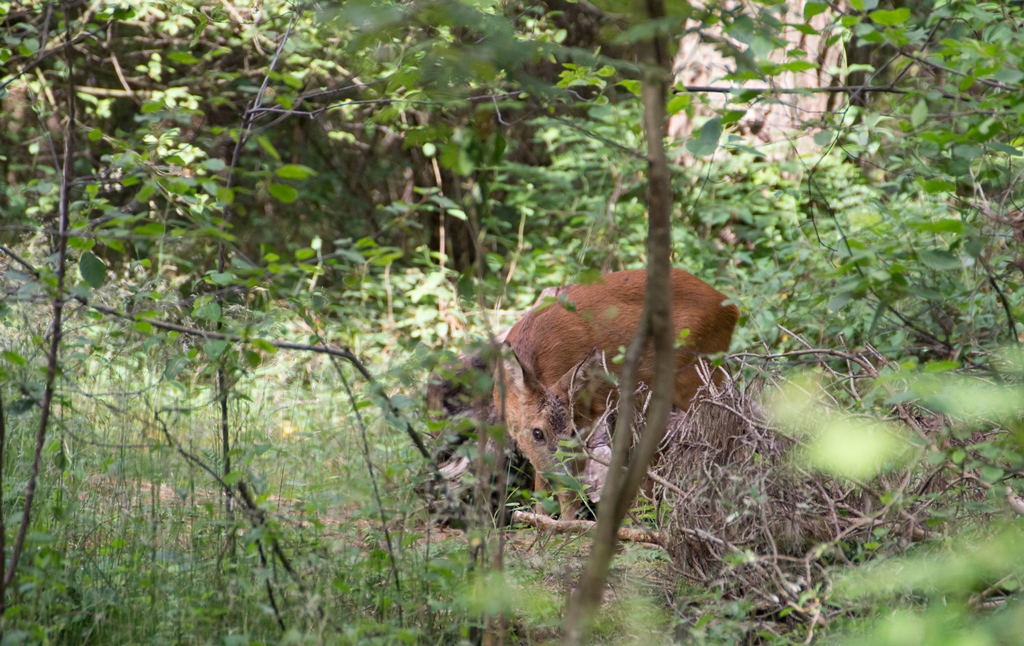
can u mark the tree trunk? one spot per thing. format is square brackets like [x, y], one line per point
[621, 487]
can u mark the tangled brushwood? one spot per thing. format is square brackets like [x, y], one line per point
[741, 510]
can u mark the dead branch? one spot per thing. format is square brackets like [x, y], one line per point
[549, 524]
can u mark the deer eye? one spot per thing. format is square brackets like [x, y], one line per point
[538, 434]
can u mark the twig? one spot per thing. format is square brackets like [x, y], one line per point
[66, 179]
[373, 481]
[331, 350]
[949, 70]
[270, 587]
[549, 524]
[222, 259]
[3, 526]
[1011, 324]
[312, 114]
[838, 89]
[608, 142]
[43, 56]
[18, 259]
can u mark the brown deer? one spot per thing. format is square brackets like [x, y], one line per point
[548, 388]
[459, 392]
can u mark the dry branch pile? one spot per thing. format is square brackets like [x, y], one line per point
[747, 517]
[734, 499]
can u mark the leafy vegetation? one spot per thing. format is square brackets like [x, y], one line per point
[236, 238]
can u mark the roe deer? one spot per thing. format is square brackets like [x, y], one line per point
[547, 389]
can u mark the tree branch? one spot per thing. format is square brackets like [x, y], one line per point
[620, 488]
[549, 524]
[66, 180]
[839, 89]
[45, 55]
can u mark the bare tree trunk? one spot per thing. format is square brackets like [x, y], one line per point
[621, 487]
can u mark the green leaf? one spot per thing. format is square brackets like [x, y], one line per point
[14, 357]
[812, 9]
[797, 66]
[283, 193]
[890, 18]
[183, 57]
[991, 474]
[267, 146]
[965, 151]
[974, 247]
[631, 86]
[92, 269]
[225, 195]
[210, 312]
[295, 171]
[853, 448]
[150, 229]
[214, 165]
[264, 345]
[678, 103]
[85, 244]
[1003, 148]
[500, 145]
[222, 279]
[214, 348]
[707, 142]
[919, 113]
[939, 185]
[823, 138]
[941, 366]
[1008, 75]
[840, 301]
[940, 226]
[252, 358]
[938, 259]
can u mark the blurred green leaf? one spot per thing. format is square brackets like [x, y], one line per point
[93, 271]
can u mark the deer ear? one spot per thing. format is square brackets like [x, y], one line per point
[512, 374]
[581, 375]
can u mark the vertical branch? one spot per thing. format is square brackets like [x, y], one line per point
[490, 461]
[66, 180]
[222, 389]
[225, 439]
[3, 527]
[658, 301]
[498, 557]
[373, 481]
[621, 488]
